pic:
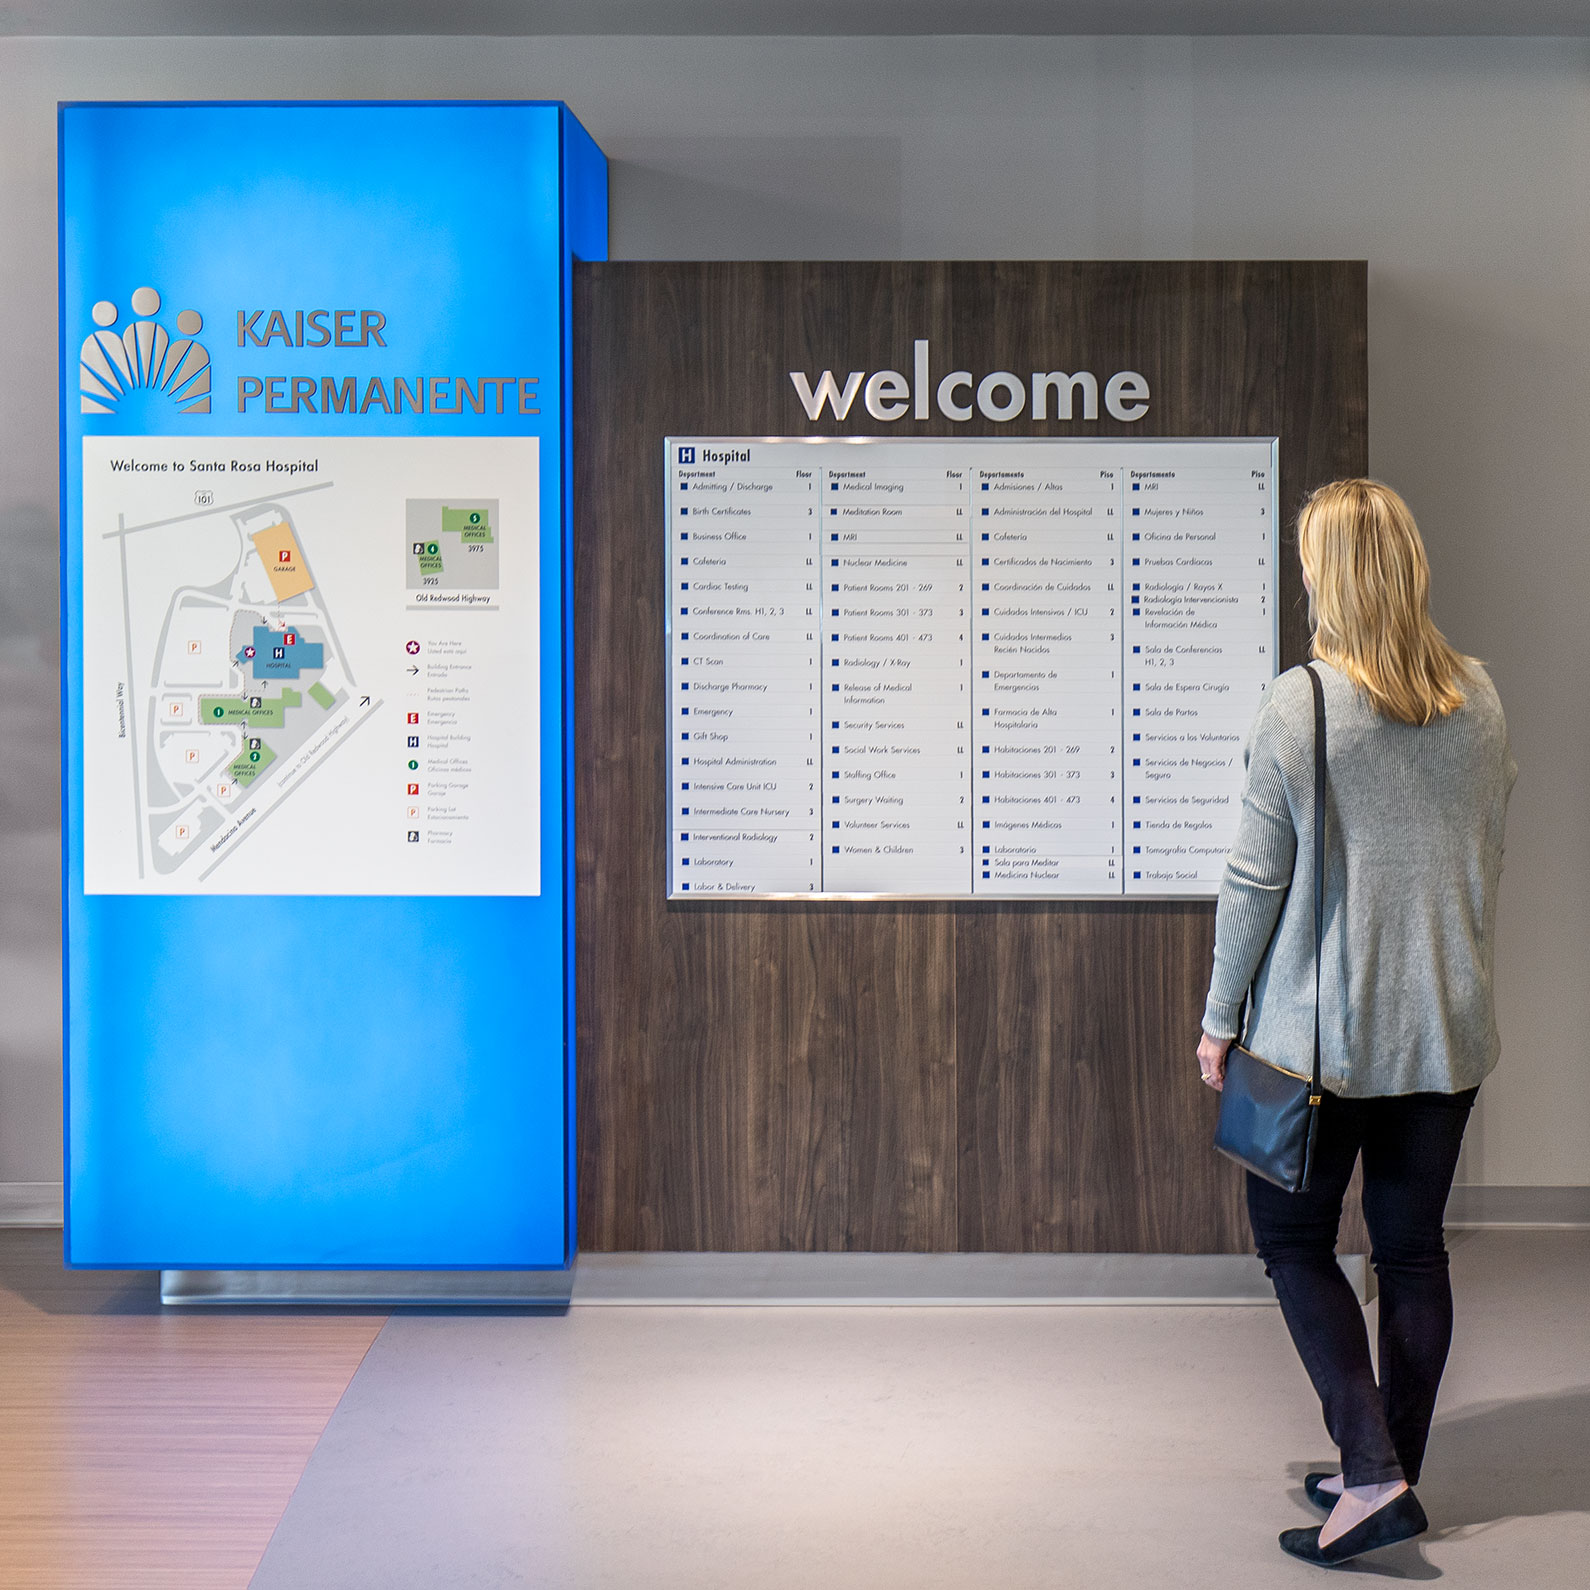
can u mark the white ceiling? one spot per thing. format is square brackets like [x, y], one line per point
[818, 17]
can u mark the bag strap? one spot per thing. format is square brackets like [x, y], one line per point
[1315, 1090]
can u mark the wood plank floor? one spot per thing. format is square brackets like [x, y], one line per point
[148, 1448]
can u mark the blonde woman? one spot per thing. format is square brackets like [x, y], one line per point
[1418, 775]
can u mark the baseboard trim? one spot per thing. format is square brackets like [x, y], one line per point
[927, 1280]
[31, 1203]
[1476, 1208]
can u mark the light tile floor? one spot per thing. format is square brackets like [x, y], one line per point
[823, 1449]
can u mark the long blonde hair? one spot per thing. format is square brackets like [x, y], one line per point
[1369, 601]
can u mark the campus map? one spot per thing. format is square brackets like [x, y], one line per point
[248, 694]
[276, 698]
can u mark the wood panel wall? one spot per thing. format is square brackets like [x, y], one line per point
[888, 1077]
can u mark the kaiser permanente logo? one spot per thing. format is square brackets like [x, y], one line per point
[145, 356]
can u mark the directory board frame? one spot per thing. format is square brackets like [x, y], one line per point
[678, 891]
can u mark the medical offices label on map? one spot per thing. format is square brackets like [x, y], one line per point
[278, 699]
[963, 668]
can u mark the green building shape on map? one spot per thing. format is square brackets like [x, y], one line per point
[321, 696]
[251, 761]
[470, 524]
[236, 709]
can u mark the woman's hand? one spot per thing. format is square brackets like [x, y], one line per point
[1212, 1060]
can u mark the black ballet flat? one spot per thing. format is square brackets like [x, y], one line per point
[1324, 1500]
[1400, 1519]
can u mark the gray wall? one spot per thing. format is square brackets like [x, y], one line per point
[1456, 167]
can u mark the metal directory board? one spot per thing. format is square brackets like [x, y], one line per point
[963, 668]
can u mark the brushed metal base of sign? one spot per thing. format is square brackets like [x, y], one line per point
[542, 1289]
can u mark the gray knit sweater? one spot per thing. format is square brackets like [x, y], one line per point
[1413, 852]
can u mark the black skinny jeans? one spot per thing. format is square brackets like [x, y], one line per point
[1410, 1146]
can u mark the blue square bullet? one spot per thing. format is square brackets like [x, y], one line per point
[1136, 512]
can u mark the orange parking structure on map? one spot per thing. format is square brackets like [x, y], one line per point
[284, 563]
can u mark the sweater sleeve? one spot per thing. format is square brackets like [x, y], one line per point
[1257, 876]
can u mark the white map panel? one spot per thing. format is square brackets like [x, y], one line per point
[311, 666]
[948, 669]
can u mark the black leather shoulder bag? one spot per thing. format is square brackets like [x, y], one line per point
[1269, 1117]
